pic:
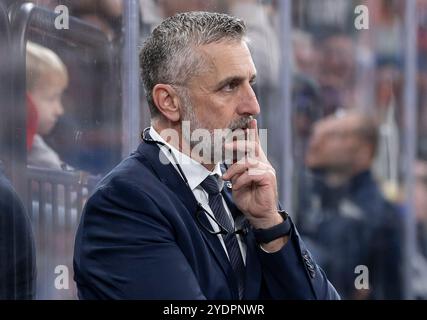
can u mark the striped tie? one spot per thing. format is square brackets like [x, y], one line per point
[210, 185]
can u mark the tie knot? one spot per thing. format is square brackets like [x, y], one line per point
[211, 185]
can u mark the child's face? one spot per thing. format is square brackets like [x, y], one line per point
[47, 96]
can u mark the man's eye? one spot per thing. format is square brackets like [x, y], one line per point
[231, 86]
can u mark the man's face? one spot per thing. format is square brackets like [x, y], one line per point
[334, 145]
[47, 99]
[221, 96]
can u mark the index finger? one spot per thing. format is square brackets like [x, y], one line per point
[254, 135]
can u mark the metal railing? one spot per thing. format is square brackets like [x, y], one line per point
[55, 204]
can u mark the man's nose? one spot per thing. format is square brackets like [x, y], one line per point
[248, 104]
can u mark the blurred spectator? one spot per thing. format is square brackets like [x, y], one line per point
[324, 17]
[103, 14]
[172, 7]
[154, 11]
[109, 8]
[422, 34]
[386, 25]
[17, 253]
[337, 65]
[87, 137]
[306, 111]
[345, 217]
[47, 78]
[264, 44]
[305, 57]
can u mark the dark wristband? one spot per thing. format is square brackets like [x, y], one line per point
[264, 236]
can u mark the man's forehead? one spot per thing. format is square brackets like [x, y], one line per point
[228, 59]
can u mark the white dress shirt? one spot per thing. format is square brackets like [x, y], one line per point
[196, 173]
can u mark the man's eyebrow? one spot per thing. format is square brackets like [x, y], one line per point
[228, 80]
[238, 79]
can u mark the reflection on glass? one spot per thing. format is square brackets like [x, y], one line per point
[347, 136]
[343, 214]
[348, 174]
[72, 129]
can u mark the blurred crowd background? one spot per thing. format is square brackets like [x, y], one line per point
[357, 194]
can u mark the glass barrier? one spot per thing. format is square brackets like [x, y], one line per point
[341, 85]
[351, 131]
[17, 254]
[68, 117]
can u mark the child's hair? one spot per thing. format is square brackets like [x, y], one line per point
[42, 61]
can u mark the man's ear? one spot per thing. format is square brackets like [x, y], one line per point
[167, 101]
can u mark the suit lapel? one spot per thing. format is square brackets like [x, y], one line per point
[149, 154]
[167, 174]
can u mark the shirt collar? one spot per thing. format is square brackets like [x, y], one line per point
[194, 171]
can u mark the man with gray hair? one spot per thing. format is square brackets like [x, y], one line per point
[172, 221]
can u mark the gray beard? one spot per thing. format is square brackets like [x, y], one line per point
[216, 146]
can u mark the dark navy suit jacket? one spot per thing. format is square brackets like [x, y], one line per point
[17, 252]
[138, 239]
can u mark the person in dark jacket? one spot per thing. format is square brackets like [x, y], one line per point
[17, 253]
[345, 219]
[171, 222]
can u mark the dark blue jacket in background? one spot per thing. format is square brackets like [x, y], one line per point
[354, 225]
[138, 239]
[17, 253]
